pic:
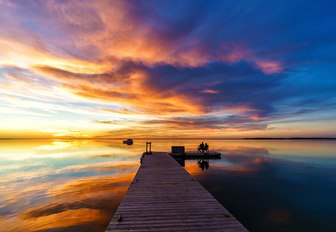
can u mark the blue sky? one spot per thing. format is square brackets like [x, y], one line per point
[168, 68]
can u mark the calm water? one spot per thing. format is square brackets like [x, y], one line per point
[77, 185]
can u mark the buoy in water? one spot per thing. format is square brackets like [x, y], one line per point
[128, 141]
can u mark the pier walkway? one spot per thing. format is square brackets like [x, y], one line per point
[165, 197]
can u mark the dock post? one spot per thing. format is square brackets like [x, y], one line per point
[148, 147]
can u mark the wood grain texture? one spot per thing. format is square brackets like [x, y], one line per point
[164, 197]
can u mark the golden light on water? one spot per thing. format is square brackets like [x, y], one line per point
[72, 184]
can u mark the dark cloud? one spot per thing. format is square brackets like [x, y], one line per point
[209, 122]
[235, 85]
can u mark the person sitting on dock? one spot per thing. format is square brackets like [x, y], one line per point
[206, 147]
[201, 147]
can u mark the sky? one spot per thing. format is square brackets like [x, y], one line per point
[117, 69]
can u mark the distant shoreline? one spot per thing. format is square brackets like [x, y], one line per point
[255, 138]
[294, 138]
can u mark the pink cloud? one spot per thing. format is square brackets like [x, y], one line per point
[209, 91]
[269, 67]
[240, 52]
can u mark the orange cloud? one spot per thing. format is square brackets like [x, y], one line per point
[131, 89]
[102, 54]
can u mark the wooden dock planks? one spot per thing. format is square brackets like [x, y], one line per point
[164, 197]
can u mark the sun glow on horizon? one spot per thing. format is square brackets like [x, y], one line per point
[111, 69]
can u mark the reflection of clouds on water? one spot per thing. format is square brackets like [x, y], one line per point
[62, 221]
[49, 149]
[63, 185]
[75, 202]
[25, 166]
[76, 186]
[100, 167]
[44, 172]
[60, 145]
[245, 151]
[286, 191]
[236, 159]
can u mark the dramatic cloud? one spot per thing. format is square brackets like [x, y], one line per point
[111, 67]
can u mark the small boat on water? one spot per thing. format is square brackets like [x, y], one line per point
[128, 141]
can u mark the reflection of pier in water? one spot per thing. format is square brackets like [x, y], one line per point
[203, 163]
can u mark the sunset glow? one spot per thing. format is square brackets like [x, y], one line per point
[112, 69]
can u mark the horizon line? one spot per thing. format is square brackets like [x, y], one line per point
[172, 138]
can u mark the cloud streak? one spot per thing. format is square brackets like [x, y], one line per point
[179, 65]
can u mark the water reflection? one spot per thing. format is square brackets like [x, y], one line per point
[62, 185]
[203, 164]
[77, 185]
[271, 189]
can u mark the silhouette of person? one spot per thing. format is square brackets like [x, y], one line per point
[201, 147]
[206, 164]
[203, 164]
[206, 147]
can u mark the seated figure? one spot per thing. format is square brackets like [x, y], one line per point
[206, 147]
[201, 147]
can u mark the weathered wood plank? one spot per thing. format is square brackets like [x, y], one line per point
[164, 197]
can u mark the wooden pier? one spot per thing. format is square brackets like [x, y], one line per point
[165, 197]
[197, 155]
